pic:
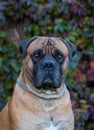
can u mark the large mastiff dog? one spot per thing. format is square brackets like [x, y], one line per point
[40, 100]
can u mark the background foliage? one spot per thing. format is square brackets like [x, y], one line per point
[71, 19]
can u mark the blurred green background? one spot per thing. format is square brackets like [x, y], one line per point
[71, 19]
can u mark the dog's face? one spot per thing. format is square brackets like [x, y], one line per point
[45, 62]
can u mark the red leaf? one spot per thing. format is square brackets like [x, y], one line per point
[92, 64]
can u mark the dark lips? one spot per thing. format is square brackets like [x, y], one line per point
[47, 84]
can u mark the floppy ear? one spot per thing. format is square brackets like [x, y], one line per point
[24, 45]
[71, 48]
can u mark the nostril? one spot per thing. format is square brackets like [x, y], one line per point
[48, 66]
[52, 65]
[45, 65]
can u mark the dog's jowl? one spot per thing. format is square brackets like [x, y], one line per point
[40, 100]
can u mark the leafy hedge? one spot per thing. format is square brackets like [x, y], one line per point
[71, 19]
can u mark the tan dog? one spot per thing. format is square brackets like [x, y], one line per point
[40, 100]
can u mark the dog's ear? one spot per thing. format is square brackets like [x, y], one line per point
[24, 45]
[71, 48]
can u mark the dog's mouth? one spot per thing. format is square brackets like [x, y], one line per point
[47, 87]
[47, 84]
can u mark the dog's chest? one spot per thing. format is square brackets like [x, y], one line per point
[51, 127]
[48, 107]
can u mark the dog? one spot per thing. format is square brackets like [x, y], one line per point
[40, 99]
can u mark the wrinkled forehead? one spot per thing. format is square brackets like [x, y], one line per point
[48, 44]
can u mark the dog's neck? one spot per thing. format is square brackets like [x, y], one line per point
[22, 77]
[27, 85]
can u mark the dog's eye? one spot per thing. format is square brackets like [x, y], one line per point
[37, 54]
[59, 56]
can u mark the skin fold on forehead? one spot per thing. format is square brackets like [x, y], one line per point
[47, 44]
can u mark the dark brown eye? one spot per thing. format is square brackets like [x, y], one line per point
[37, 55]
[59, 55]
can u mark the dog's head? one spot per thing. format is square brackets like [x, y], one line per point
[45, 62]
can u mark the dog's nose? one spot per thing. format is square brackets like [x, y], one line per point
[49, 65]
